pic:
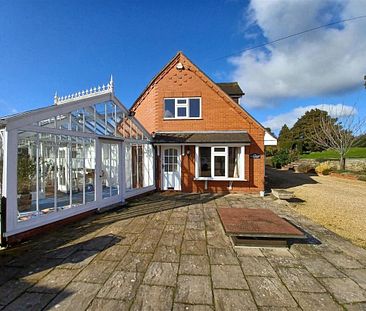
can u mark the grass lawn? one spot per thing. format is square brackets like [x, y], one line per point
[355, 152]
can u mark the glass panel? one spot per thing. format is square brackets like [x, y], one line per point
[205, 161]
[63, 172]
[234, 162]
[62, 121]
[194, 108]
[181, 101]
[169, 110]
[27, 175]
[111, 119]
[77, 171]
[219, 166]
[89, 123]
[47, 173]
[100, 122]
[114, 169]
[182, 111]
[110, 169]
[128, 165]
[77, 120]
[106, 162]
[1, 162]
[89, 170]
[218, 149]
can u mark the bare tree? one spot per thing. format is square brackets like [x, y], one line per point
[339, 130]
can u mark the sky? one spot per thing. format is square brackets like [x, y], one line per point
[67, 46]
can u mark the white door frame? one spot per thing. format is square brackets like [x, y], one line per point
[98, 171]
[179, 149]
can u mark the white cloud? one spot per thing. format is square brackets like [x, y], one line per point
[289, 118]
[323, 62]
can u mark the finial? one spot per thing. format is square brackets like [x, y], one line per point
[55, 98]
[111, 83]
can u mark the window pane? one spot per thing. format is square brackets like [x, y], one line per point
[218, 149]
[89, 170]
[182, 101]
[194, 108]
[234, 162]
[182, 111]
[27, 175]
[169, 109]
[47, 173]
[63, 172]
[205, 161]
[219, 166]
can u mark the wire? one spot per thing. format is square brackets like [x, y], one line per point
[292, 35]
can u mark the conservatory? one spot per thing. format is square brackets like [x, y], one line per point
[83, 153]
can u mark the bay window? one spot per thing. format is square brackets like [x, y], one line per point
[220, 162]
[182, 108]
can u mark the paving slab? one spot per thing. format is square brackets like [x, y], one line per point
[30, 301]
[320, 267]
[193, 289]
[97, 272]
[316, 301]
[358, 275]
[193, 248]
[194, 265]
[154, 298]
[76, 296]
[270, 292]
[233, 300]
[258, 266]
[344, 290]
[170, 239]
[248, 252]
[193, 234]
[121, 285]
[228, 277]
[356, 306]
[135, 262]
[113, 253]
[161, 273]
[185, 307]
[11, 290]
[342, 261]
[100, 304]
[54, 281]
[301, 280]
[78, 260]
[167, 253]
[222, 256]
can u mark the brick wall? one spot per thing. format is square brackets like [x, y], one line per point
[218, 111]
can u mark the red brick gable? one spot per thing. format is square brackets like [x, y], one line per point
[219, 111]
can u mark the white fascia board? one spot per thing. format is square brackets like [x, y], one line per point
[52, 111]
[269, 140]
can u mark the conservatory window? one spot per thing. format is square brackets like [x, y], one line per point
[54, 172]
[139, 166]
[221, 162]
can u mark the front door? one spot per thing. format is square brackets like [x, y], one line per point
[110, 169]
[171, 168]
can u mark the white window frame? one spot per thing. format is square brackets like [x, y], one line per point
[183, 105]
[226, 155]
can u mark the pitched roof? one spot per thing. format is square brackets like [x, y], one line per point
[231, 88]
[225, 137]
[207, 80]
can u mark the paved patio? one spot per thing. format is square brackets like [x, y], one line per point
[179, 258]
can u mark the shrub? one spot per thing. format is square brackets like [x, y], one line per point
[283, 157]
[323, 168]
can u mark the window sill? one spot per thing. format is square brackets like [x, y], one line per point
[219, 179]
[180, 119]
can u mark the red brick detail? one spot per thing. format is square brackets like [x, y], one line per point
[219, 112]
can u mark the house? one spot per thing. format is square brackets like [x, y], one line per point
[88, 152]
[204, 139]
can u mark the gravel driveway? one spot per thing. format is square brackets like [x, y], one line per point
[338, 204]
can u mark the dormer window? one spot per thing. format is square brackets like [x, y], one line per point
[182, 108]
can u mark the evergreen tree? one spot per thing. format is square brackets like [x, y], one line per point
[285, 140]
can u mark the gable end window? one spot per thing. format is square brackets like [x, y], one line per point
[182, 108]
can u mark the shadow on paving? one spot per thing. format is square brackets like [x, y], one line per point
[280, 179]
[19, 289]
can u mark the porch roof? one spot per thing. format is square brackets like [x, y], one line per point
[224, 137]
